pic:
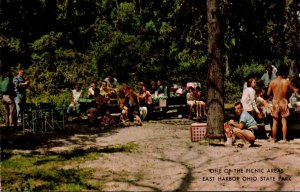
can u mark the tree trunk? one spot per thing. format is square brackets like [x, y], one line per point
[215, 97]
[292, 35]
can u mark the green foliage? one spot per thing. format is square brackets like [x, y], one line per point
[62, 42]
[61, 99]
[1, 106]
[54, 69]
[233, 93]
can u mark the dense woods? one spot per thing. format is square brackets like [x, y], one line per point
[61, 42]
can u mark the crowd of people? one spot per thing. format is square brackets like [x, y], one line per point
[262, 101]
[134, 103]
[258, 103]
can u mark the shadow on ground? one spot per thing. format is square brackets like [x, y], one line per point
[17, 140]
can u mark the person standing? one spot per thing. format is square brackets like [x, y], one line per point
[7, 91]
[20, 92]
[133, 104]
[267, 77]
[279, 87]
[248, 98]
[91, 89]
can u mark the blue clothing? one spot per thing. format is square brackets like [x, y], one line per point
[248, 120]
[17, 80]
[19, 102]
[20, 98]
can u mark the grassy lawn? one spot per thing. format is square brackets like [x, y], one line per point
[36, 172]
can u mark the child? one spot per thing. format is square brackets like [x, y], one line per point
[124, 119]
[260, 103]
[264, 107]
[137, 120]
[107, 120]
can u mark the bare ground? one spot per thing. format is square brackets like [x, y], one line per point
[166, 159]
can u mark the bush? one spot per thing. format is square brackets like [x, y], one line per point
[233, 93]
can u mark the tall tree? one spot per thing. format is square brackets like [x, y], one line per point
[292, 37]
[215, 97]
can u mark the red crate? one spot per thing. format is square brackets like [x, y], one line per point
[197, 131]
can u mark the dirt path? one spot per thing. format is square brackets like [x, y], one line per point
[166, 160]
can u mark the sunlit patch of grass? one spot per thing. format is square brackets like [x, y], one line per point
[128, 147]
[39, 172]
[36, 172]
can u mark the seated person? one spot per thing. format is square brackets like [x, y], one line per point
[200, 104]
[181, 91]
[246, 128]
[152, 88]
[160, 87]
[190, 98]
[91, 89]
[144, 99]
[125, 89]
[74, 105]
[112, 82]
[173, 90]
[104, 90]
[99, 107]
[124, 119]
[107, 120]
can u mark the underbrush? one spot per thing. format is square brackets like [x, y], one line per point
[61, 99]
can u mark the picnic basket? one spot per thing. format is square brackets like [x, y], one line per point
[197, 131]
